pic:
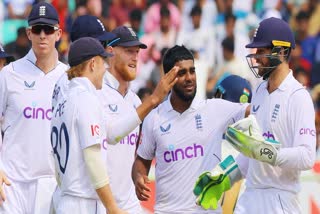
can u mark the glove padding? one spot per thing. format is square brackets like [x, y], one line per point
[246, 137]
[210, 186]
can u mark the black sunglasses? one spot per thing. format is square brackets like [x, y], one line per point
[48, 29]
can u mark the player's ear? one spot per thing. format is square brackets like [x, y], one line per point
[109, 49]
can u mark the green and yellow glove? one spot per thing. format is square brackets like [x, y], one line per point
[210, 186]
[246, 137]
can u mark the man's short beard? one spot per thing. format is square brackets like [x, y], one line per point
[183, 96]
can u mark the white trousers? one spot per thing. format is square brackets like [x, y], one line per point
[266, 201]
[28, 197]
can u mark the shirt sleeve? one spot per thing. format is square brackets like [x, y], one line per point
[89, 120]
[147, 146]
[3, 91]
[301, 155]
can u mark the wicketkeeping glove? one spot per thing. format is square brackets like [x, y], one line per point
[246, 137]
[210, 186]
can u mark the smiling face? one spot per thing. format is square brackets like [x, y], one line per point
[186, 86]
[125, 62]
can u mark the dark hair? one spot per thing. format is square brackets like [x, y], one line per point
[228, 16]
[164, 11]
[136, 14]
[228, 43]
[174, 55]
[196, 10]
[302, 15]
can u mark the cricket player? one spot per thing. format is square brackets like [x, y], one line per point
[4, 58]
[277, 141]
[183, 134]
[77, 132]
[26, 87]
[124, 110]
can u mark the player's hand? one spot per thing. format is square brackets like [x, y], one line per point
[210, 186]
[142, 190]
[165, 84]
[3, 180]
[250, 142]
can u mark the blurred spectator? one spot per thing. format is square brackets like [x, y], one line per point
[152, 16]
[18, 9]
[301, 34]
[5, 58]
[302, 76]
[144, 93]
[21, 46]
[62, 9]
[208, 14]
[297, 61]
[312, 7]
[199, 38]
[119, 11]
[231, 65]
[135, 19]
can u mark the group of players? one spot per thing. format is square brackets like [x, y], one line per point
[73, 139]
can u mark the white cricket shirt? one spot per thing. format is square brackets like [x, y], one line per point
[77, 123]
[25, 103]
[185, 145]
[122, 122]
[287, 116]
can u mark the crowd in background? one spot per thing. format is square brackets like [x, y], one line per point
[216, 31]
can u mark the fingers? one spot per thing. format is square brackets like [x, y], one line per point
[3, 179]
[142, 190]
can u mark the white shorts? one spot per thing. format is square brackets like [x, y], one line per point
[28, 197]
[70, 204]
[266, 201]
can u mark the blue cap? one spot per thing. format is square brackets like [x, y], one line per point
[3, 54]
[235, 89]
[84, 49]
[43, 13]
[272, 32]
[126, 37]
[89, 26]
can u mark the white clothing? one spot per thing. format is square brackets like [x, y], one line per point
[287, 116]
[267, 201]
[77, 124]
[122, 123]
[184, 146]
[28, 197]
[25, 103]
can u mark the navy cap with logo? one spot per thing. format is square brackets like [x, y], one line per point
[3, 54]
[84, 49]
[272, 32]
[235, 89]
[43, 13]
[90, 26]
[126, 37]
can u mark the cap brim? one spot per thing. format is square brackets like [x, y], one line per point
[132, 43]
[106, 54]
[43, 21]
[8, 57]
[106, 36]
[258, 45]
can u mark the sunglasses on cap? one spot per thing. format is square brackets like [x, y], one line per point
[47, 29]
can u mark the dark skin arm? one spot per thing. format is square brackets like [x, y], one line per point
[140, 171]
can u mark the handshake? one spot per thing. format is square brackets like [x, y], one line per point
[246, 137]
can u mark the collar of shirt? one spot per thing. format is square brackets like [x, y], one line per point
[194, 105]
[84, 82]
[285, 83]
[110, 80]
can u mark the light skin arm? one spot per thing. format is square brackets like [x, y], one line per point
[3, 180]
[140, 171]
[108, 201]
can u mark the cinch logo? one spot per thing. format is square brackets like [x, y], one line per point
[95, 130]
[268, 135]
[37, 113]
[173, 155]
[307, 131]
[130, 139]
